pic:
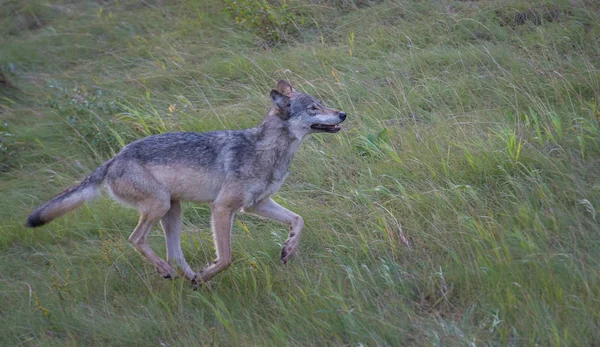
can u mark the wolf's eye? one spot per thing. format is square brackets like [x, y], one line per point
[313, 108]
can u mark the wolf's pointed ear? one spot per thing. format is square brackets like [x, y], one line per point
[284, 87]
[282, 102]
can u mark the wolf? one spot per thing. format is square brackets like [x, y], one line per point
[232, 170]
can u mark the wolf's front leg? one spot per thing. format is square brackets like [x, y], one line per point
[270, 209]
[221, 218]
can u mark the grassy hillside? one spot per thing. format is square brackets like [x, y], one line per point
[460, 205]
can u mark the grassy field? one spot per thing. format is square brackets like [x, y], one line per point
[460, 205]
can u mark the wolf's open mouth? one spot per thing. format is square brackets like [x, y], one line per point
[327, 128]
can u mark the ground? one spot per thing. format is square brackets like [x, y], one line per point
[459, 206]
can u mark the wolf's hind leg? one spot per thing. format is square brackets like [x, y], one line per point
[131, 184]
[139, 238]
[270, 209]
[171, 225]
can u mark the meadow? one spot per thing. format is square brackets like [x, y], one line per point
[460, 205]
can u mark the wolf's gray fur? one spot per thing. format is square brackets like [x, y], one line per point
[233, 170]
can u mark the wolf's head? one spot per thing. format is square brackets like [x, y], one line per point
[304, 113]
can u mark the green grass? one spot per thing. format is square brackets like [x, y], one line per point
[460, 206]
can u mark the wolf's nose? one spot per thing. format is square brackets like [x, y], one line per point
[342, 116]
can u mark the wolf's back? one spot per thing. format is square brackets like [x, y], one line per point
[70, 199]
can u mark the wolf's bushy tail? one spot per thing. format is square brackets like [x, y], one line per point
[70, 199]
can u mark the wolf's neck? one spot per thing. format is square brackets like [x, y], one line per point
[276, 145]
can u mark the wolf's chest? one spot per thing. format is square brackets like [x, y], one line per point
[268, 188]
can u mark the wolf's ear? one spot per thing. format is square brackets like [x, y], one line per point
[284, 87]
[282, 102]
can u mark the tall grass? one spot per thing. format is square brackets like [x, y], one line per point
[460, 205]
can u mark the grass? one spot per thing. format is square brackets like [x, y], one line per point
[460, 206]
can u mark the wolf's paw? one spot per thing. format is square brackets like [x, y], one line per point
[198, 282]
[287, 252]
[166, 271]
[169, 277]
